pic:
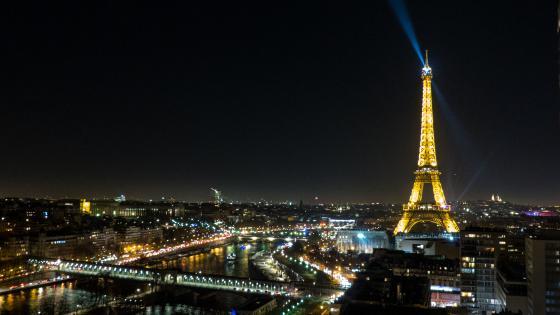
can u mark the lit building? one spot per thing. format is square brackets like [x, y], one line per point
[542, 253]
[104, 207]
[85, 206]
[58, 246]
[448, 248]
[341, 224]
[417, 211]
[13, 247]
[480, 248]
[496, 198]
[103, 240]
[377, 288]
[443, 274]
[361, 241]
[134, 209]
[135, 235]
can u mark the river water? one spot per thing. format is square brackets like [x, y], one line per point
[55, 299]
[215, 262]
[70, 296]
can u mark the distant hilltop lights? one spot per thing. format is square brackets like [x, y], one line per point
[496, 197]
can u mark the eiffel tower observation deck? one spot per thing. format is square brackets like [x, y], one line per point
[415, 211]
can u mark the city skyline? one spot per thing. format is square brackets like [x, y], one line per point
[389, 157]
[281, 105]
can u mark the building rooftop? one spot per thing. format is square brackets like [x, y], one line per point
[552, 235]
[256, 302]
[366, 308]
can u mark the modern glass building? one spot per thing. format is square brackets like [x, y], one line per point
[361, 241]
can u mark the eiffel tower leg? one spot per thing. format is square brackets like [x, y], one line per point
[438, 190]
[449, 224]
[417, 189]
[404, 222]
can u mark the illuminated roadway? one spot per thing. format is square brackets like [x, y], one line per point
[270, 238]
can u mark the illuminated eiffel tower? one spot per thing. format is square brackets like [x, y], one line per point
[427, 173]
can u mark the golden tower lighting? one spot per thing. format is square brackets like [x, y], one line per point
[427, 173]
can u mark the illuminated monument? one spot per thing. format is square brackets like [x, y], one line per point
[415, 211]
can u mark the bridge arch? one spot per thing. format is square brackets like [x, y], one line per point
[413, 225]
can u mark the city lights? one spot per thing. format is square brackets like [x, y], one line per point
[231, 158]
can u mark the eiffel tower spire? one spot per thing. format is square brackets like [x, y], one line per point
[427, 152]
[427, 173]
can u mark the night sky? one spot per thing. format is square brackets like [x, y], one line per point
[277, 101]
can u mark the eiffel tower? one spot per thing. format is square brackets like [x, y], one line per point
[415, 211]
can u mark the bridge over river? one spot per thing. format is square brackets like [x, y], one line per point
[169, 277]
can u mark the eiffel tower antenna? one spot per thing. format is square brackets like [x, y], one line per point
[427, 172]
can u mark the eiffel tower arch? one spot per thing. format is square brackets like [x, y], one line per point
[415, 211]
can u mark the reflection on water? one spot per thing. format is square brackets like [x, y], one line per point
[181, 309]
[55, 299]
[68, 297]
[218, 303]
[215, 262]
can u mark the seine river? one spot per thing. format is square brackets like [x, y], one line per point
[215, 261]
[72, 296]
